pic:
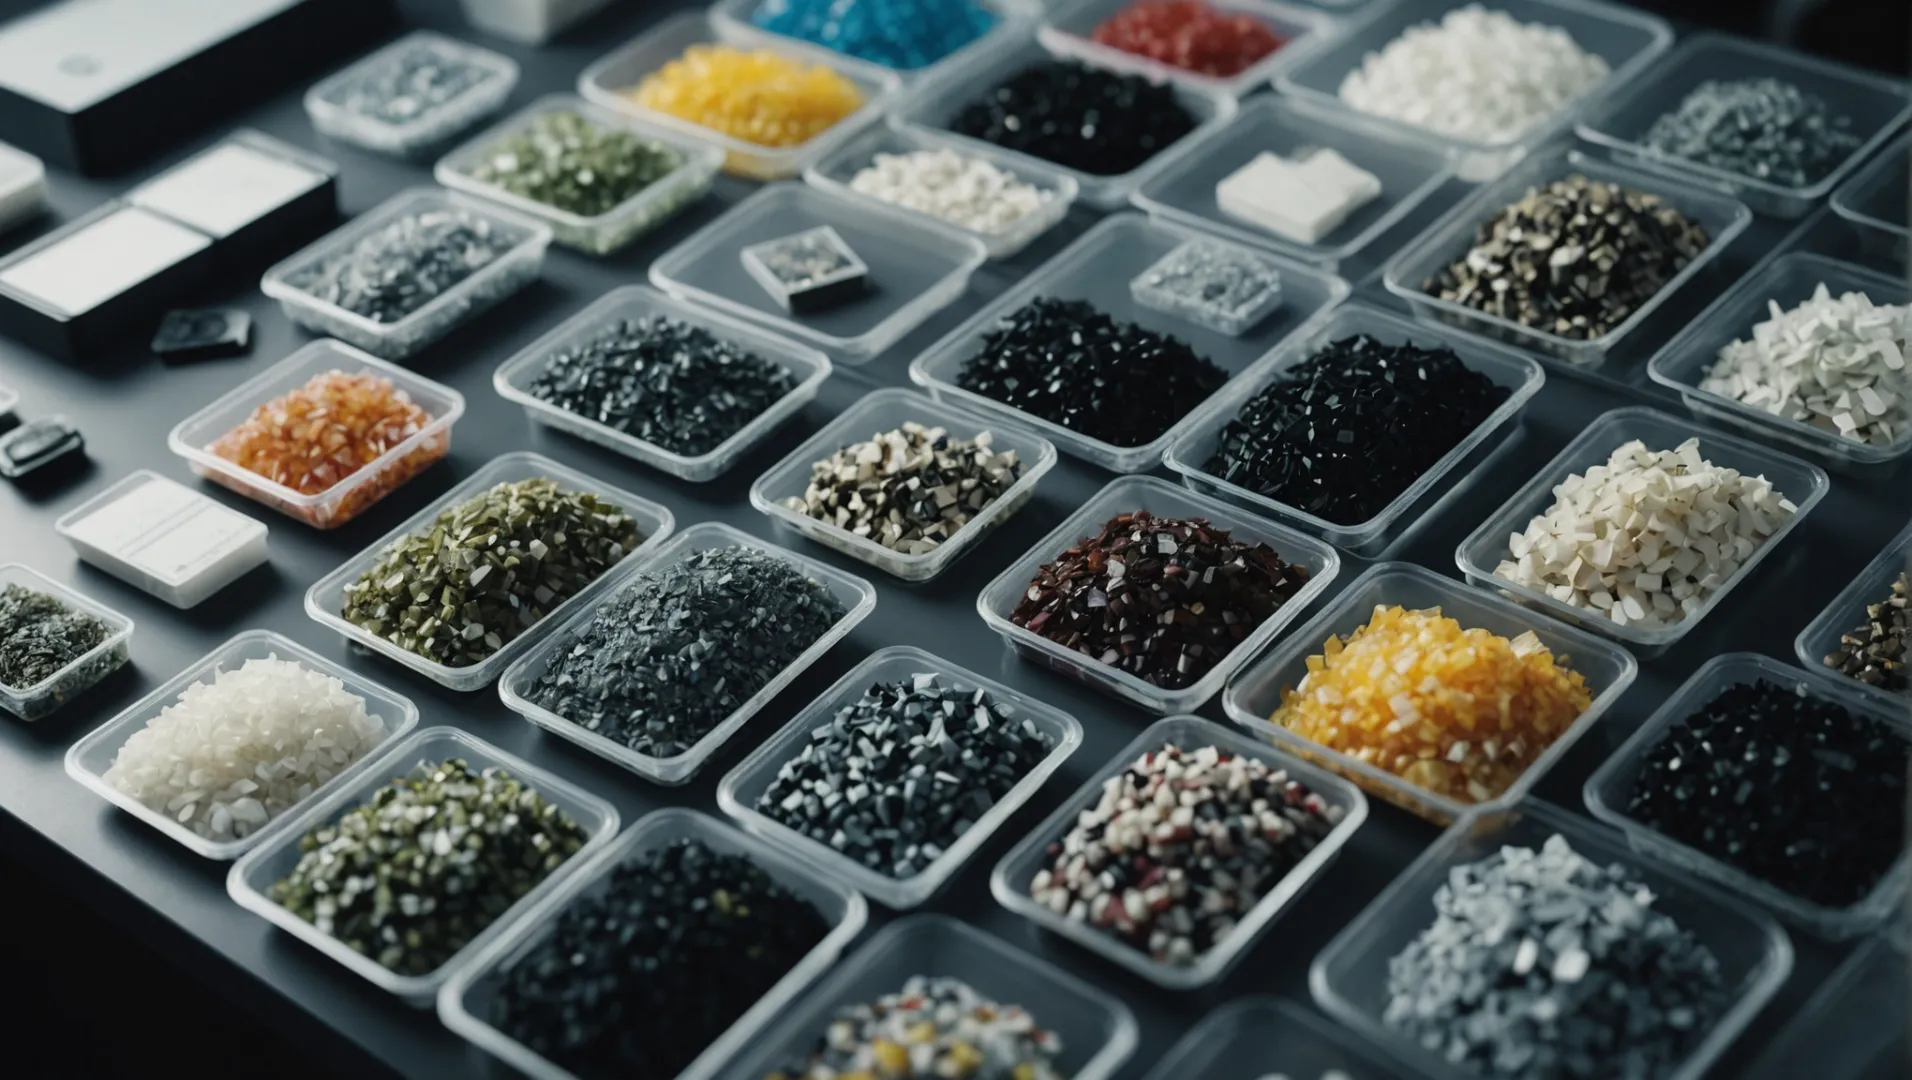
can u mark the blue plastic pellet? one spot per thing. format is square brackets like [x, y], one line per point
[902, 35]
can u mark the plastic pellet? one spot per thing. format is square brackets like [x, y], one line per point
[40, 637]
[1779, 782]
[756, 96]
[1095, 121]
[1461, 712]
[1217, 285]
[1162, 599]
[1874, 652]
[1648, 537]
[903, 35]
[934, 1028]
[1478, 74]
[676, 650]
[641, 973]
[897, 776]
[405, 265]
[964, 191]
[1575, 258]
[1543, 964]
[1303, 199]
[571, 163]
[1179, 848]
[1191, 35]
[410, 84]
[1068, 363]
[1764, 128]
[910, 488]
[1839, 365]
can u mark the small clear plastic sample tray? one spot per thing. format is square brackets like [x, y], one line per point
[251, 879]
[22, 186]
[602, 233]
[1847, 611]
[92, 757]
[1874, 200]
[1010, 881]
[1098, 268]
[808, 367]
[81, 673]
[1874, 106]
[505, 274]
[193, 438]
[1219, 285]
[746, 784]
[1253, 695]
[886, 410]
[1068, 29]
[857, 597]
[466, 1004]
[493, 78]
[809, 271]
[1852, 1026]
[914, 268]
[1802, 483]
[1266, 1036]
[163, 537]
[1608, 791]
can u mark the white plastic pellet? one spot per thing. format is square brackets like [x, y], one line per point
[1477, 74]
[1647, 538]
[944, 184]
[1836, 364]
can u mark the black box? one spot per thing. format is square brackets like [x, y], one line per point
[258, 198]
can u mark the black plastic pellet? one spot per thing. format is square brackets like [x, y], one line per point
[1343, 433]
[1788, 786]
[1085, 118]
[645, 970]
[671, 384]
[1070, 364]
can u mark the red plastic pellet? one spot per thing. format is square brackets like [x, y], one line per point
[1190, 35]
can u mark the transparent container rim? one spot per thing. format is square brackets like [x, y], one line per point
[1871, 174]
[1318, 30]
[1839, 613]
[504, 67]
[1200, 1035]
[121, 625]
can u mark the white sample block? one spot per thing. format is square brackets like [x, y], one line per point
[1302, 200]
[165, 538]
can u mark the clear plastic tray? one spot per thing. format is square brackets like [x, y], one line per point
[1453, 236]
[89, 759]
[882, 411]
[22, 186]
[807, 366]
[1097, 268]
[930, 104]
[1013, 17]
[1805, 484]
[1409, 167]
[614, 228]
[252, 877]
[1853, 1026]
[1010, 882]
[1628, 40]
[745, 784]
[430, 129]
[1259, 1036]
[1877, 107]
[465, 1003]
[1516, 373]
[530, 21]
[857, 596]
[1254, 695]
[1349, 977]
[606, 81]
[1097, 1032]
[325, 599]
[1125, 495]
[222, 546]
[835, 172]
[1847, 610]
[1608, 790]
[916, 268]
[1069, 27]
[503, 276]
[356, 493]
[1789, 280]
[1874, 200]
[49, 694]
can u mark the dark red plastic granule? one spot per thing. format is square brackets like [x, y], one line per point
[1164, 599]
[1785, 785]
[1190, 35]
[1100, 122]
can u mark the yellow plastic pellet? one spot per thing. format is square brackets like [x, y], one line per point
[758, 96]
[1458, 712]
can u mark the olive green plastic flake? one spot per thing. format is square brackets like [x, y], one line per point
[488, 569]
[39, 636]
[434, 858]
[566, 161]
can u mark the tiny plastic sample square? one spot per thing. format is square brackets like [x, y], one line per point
[39, 445]
[808, 271]
[1217, 285]
[191, 334]
[1304, 198]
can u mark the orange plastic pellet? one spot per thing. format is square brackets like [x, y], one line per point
[759, 96]
[1458, 712]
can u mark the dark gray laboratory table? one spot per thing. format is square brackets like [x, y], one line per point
[126, 403]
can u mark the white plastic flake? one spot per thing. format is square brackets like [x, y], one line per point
[1303, 199]
[1836, 364]
[944, 184]
[234, 753]
[1477, 74]
[1648, 537]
